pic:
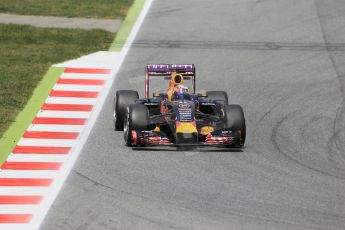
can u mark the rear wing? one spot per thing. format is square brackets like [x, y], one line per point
[165, 70]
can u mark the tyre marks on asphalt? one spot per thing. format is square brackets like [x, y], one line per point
[27, 177]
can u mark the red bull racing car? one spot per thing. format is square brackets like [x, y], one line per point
[178, 116]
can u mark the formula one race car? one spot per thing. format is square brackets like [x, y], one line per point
[178, 116]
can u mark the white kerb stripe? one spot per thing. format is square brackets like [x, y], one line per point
[47, 142]
[16, 226]
[18, 209]
[48, 174]
[24, 191]
[86, 76]
[67, 87]
[63, 114]
[56, 128]
[71, 100]
[37, 158]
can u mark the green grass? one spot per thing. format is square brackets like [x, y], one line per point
[26, 53]
[25, 117]
[127, 25]
[68, 8]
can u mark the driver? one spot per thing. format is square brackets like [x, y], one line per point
[181, 93]
[176, 79]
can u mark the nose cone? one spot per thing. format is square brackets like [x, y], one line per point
[186, 127]
[185, 111]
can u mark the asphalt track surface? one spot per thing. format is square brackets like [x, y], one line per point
[283, 61]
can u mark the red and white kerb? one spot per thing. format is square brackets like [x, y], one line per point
[28, 175]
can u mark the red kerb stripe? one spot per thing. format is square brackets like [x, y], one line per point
[67, 107]
[80, 81]
[31, 166]
[20, 199]
[51, 135]
[59, 121]
[40, 150]
[87, 70]
[82, 94]
[24, 182]
[15, 218]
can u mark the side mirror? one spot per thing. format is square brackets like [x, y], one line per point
[156, 94]
[202, 94]
[161, 95]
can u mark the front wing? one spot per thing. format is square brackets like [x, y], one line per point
[157, 138]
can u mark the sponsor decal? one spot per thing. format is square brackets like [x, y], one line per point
[207, 103]
[185, 66]
[184, 105]
[151, 103]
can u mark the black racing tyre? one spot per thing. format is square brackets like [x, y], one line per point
[136, 118]
[235, 121]
[217, 95]
[122, 99]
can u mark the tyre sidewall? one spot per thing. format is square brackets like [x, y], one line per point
[122, 99]
[137, 119]
[234, 120]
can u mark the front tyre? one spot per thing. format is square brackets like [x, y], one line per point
[122, 99]
[136, 119]
[235, 121]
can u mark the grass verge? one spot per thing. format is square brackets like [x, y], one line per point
[68, 8]
[16, 130]
[13, 38]
[127, 25]
[27, 52]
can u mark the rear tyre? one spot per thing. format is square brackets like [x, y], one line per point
[235, 121]
[122, 99]
[217, 95]
[137, 119]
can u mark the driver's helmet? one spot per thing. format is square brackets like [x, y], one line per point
[181, 93]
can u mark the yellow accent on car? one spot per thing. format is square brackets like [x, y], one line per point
[157, 129]
[169, 93]
[205, 130]
[186, 127]
[176, 79]
[203, 93]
